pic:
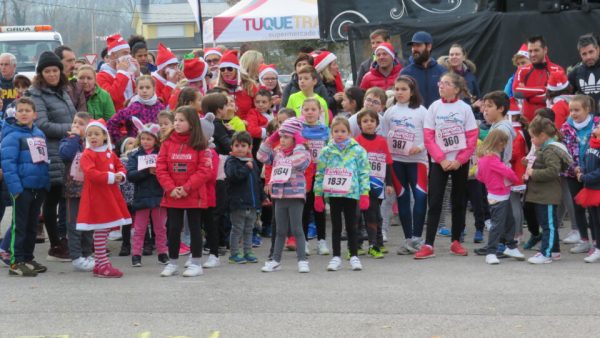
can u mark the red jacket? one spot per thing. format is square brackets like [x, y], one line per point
[375, 79]
[531, 81]
[243, 101]
[256, 123]
[519, 151]
[178, 164]
[163, 89]
[561, 112]
[115, 86]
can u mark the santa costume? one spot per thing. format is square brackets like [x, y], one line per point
[120, 84]
[164, 87]
[102, 206]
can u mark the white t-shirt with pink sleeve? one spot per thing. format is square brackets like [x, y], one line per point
[451, 122]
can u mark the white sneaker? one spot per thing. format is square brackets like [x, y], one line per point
[303, 267]
[573, 237]
[491, 259]
[418, 242]
[306, 248]
[271, 266]
[115, 235]
[355, 263]
[82, 264]
[488, 224]
[322, 248]
[539, 259]
[193, 271]
[409, 244]
[188, 262]
[555, 256]
[91, 262]
[334, 264]
[593, 257]
[211, 262]
[384, 235]
[514, 253]
[169, 270]
[581, 247]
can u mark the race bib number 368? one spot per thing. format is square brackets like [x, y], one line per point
[337, 181]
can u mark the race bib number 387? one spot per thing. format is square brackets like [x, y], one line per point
[337, 181]
[400, 141]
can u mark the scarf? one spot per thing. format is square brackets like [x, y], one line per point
[148, 102]
[583, 124]
[233, 82]
[595, 143]
[342, 145]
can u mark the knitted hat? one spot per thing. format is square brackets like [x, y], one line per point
[291, 126]
[149, 128]
[48, 59]
[558, 81]
[208, 127]
[164, 57]
[124, 143]
[263, 70]
[387, 47]
[323, 59]
[100, 123]
[514, 107]
[523, 51]
[115, 43]
[212, 51]
[230, 59]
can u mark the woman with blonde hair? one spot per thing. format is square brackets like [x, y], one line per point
[237, 82]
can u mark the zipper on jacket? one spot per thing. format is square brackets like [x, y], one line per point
[252, 189]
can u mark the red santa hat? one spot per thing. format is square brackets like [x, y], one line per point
[514, 107]
[195, 70]
[212, 51]
[230, 59]
[323, 59]
[164, 57]
[264, 69]
[115, 43]
[523, 51]
[388, 48]
[558, 81]
[100, 123]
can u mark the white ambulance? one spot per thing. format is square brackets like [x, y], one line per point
[26, 43]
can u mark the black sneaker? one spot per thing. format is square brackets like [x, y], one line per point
[163, 258]
[147, 251]
[37, 267]
[136, 261]
[21, 269]
[480, 251]
[125, 250]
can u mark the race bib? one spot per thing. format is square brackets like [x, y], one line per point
[337, 181]
[377, 161]
[221, 170]
[38, 150]
[400, 141]
[451, 138]
[530, 161]
[76, 172]
[315, 147]
[282, 171]
[146, 161]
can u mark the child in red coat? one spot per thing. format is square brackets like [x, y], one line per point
[102, 173]
[183, 169]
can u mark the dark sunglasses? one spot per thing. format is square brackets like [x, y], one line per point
[229, 69]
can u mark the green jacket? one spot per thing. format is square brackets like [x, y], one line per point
[543, 186]
[100, 104]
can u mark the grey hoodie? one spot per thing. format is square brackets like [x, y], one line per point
[506, 126]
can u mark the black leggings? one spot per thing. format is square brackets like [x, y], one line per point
[348, 207]
[212, 230]
[437, 186]
[50, 212]
[532, 223]
[580, 215]
[595, 222]
[309, 207]
[175, 223]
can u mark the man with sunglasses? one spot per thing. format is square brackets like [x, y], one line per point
[585, 77]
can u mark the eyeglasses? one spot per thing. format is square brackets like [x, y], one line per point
[445, 84]
[212, 61]
[228, 69]
[269, 79]
[373, 102]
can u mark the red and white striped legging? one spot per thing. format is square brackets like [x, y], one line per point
[100, 240]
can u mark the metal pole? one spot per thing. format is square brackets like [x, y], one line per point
[200, 24]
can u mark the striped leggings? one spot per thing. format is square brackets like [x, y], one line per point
[100, 240]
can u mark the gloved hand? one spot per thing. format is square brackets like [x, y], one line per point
[299, 139]
[319, 204]
[363, 203]
[274, 138]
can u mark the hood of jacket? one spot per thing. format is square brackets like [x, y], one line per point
[468, 65]
[11, 126]
[432, 63]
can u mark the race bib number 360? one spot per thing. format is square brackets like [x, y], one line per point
[451, 138]
[337, 181]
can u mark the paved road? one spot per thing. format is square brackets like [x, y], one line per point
[394, 297]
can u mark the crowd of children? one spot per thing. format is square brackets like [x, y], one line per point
[201, 174]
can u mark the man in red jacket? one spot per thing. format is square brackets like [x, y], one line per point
[531, 80]
[118, 74]
[384, 70]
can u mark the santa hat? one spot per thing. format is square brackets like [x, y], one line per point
[148, 128]
[164, 57]
[523, 51]
[263, 70]
[323, 59]
[558, 81]
[388, 48]
[195, 70]
[514, 107]
[230, 59]
[212, 51]
[115, 43]
[100, 123]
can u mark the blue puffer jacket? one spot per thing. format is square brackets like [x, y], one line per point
[591, 166]
[19, 171]
[427, 79]
[148, 192]
[243, 184]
